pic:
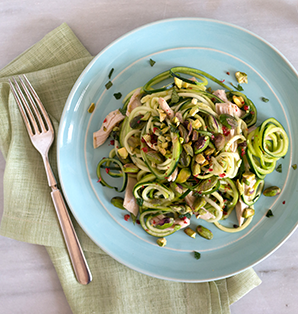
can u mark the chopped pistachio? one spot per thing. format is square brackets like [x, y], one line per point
[238, 100]
[200, 159]
[194, 101]
[178, 82]
[191, 233]
[193, 111]
[248, 212]
[123, 152]
[91, 108]
[241, 77]
[161, 242]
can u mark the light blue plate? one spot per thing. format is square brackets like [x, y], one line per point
[217, 48]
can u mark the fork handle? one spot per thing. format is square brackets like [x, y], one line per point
[75, 251]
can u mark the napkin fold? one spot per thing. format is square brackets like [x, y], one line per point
[53, 66]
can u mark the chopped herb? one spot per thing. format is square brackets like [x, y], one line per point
[134, 218]
[152, 62]
[279, 168]
[122, 111]
[111, 72]
[109, 85]
[187, 215]
[238, 87]
[174, 129]
[118, 95]
[91, 108]
[294, 166]
[140, 201]
[265, 99]
[175, 97]
[197, 255]
[269, 213]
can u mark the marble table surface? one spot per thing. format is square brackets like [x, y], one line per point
[28, 281]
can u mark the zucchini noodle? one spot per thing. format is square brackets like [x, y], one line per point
[179, 153]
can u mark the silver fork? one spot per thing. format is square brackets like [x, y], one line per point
[41, 134]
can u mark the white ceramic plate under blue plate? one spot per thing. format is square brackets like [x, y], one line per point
[214, 47]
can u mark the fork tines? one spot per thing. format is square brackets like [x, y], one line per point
[34, 115]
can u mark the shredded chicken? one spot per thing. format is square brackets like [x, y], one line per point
[173, 176]
[134, 102]
[240, 207]
[227, 106]
[130, 202]
[166, 108]
[189, 199]
[111, 120]
[206, 216]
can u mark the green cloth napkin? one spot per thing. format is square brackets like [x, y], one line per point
[53, 65]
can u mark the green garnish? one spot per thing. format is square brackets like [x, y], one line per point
[269, 213]
[109, 85]
[122, 111]
[197, 255]
[265, 99]
[175, 97]
[111, 72]
[238, 87]
[140, 201]
[279, 168]
[187, 215]
[118, 95]
[294, 166]
[152, 62]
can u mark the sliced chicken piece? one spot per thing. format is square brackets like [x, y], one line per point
[228, 108]
[111, 120]
[173, 176]
[189, 199]
[220, 93]
[206, 216]
[130, 202]
[134, 102]
[166, 108]
[240, 207]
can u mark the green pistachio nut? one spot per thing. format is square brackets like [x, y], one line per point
[213, 125]
[248, 212]
[201, 144]
[154, 156]
[118, 202]
[207, 184]
[191, 233]
[188, 149]
[183, 175]
[196, 169]
[161, 242]
[184, 159]
[204, 232]
[228, 121]
[272, 191]
[198, 204]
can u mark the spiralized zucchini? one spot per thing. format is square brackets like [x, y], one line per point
[189, 153]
